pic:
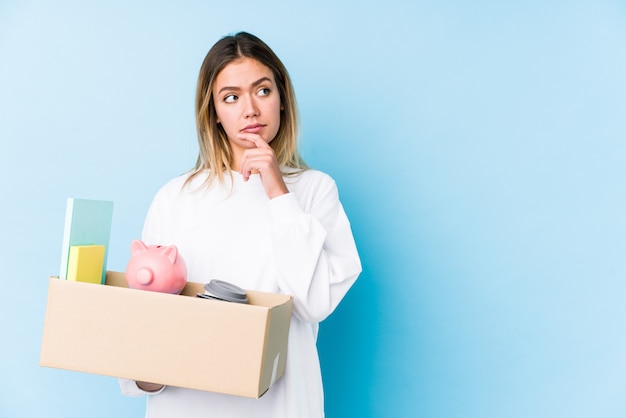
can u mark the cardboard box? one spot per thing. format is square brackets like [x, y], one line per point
[178, 340]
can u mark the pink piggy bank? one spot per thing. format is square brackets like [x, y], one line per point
[156, 267]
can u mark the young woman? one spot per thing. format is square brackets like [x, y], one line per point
[252, 213]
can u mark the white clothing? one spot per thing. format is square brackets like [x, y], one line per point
[299, 244]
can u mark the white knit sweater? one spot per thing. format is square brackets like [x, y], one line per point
[299, 244]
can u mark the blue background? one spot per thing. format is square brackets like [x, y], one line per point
[480, 152]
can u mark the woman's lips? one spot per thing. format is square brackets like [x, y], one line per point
[253, 129]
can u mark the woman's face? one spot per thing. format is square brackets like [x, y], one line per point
[247, 102]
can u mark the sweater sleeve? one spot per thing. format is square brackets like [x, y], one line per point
[316, 259]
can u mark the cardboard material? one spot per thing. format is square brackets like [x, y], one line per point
[177, 340]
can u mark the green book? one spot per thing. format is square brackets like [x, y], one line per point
[87, 222]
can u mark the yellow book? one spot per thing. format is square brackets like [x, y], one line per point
[85, 263]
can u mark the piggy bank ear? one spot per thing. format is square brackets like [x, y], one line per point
[137, 246]
[171, 252]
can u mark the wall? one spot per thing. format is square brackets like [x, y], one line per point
[479, 150]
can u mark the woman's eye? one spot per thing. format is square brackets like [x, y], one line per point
[264, 91]
[231, 98]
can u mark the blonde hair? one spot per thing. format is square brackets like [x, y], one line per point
[215, 153]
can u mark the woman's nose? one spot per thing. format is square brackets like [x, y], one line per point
[250, 107]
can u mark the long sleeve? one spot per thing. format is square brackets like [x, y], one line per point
[315, 253]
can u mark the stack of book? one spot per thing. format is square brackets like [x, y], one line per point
[86, 240]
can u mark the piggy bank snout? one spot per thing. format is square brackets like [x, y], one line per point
[144, 276]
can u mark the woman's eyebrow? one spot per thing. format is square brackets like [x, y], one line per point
[261, 81]
[256, 83]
